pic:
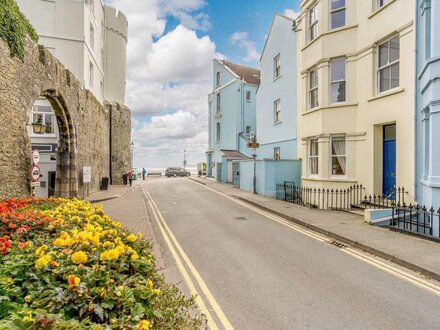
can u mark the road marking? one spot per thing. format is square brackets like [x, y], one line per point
[166, 232]
[421, 283]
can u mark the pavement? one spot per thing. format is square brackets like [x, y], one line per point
[113, 191]
[417, 254]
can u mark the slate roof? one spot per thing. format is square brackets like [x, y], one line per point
[233, 154]
[250, 75]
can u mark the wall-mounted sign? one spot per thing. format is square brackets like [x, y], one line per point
[35, 157]
[35, 184]
[87, 174]
[253, 145]
[35, 173]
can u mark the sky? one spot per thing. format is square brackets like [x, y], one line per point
[171, 46]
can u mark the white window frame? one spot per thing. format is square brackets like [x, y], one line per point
[217, 79]
[43, 115]
[311, 89]
[345, 155]
[310, 157]
[332, 82]
[277, 111]
[92, 37]
[333, 11]
[277, 153]
[91, 75]
[218, 103]
[248, 96]
[388, 65]
[218, 134]
[381, 3]
[277, 67]
[312, 29]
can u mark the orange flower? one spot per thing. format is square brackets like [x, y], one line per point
[12, 226]
[22, 245]
[73, 281]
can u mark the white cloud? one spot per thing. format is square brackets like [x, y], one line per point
[241, 39]
[291, 13]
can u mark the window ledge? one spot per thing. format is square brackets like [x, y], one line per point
[332, 179]
[218, 115]
[331, 106]
[390, 92]
[277, 78]
[277, 123]
[381, 9]
[347, 27]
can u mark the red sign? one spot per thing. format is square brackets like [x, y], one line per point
[35, 173]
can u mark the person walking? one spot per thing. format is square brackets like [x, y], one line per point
[144, 172]
[124, 178]
[130, 177]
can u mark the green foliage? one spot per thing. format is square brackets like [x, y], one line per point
[14, 27]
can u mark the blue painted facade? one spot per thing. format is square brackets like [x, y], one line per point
[428, 104]
[232, 114]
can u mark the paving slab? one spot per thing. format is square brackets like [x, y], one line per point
[415, 253]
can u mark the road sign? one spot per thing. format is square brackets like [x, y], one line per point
[35, 184]
[87, 174]
[253, 145]
[35, 173]
[35, 157]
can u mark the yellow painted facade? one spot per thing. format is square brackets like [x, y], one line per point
[361, 118]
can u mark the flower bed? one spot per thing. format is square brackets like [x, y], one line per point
[64, 264]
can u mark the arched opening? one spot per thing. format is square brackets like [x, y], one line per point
[56, 146]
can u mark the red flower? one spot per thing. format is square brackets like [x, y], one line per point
[12, 226]
[4, 245]
[22, 245]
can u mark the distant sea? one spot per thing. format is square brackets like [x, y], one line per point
[190, 168]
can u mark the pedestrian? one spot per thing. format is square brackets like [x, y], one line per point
[144, 172]
[130, 177]
[124, 178]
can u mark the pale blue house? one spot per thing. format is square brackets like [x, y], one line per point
[276, 113]
[428, 103]
[232, 117]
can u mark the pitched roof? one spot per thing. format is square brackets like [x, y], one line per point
[250, 75]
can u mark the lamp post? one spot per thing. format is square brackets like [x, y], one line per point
[254, 156]
[184, 159]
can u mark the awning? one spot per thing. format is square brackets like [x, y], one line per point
[234, 155]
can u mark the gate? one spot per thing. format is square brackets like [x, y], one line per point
[236, 175]
[219, 172]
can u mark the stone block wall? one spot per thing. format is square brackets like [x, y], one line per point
[84, 123]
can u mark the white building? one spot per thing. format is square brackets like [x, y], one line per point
[90, 39]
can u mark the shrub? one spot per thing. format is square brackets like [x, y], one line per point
[14, 27]
[64, 264]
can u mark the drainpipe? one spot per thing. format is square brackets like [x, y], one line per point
[242, 84]
[110, 144]
[416, 109]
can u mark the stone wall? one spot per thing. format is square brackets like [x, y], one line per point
[83, 123]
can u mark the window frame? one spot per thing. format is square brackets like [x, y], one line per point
[384, 3]
[310, 157]
[333, 11]
[43, 114]
[311, 89]
[277, 111]
[217, 79]
[91, 75]
[388, 65]
[218, 103]
[276, 153]
[331, 82]
[312, 26]
[331, 156]
[277, 67]
[92, 36]
[218, 135]
[248, 96]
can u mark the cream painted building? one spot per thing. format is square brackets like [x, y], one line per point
[88, 37]
[356, 94]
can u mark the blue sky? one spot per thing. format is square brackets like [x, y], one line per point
[169, 67]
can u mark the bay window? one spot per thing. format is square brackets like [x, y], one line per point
[338, 80]
[313, 88]
[337, 13]
[338, 156]
[313, 157]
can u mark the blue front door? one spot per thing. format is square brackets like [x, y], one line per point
[389, 160]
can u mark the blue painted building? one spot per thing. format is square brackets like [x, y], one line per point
[428, 103]
[232, 117]
[276, 112]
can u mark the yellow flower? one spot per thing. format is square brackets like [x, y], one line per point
[157, 291]
[134, 256]
[73, 281]
[144, 325]
[39, 252]
[106, 244]
[139, 235]
[109, 255]
[28, 298]
[79, 258]
[150, 284]
[120, 248]
[43, 261]
[10, 280]
[132, 238]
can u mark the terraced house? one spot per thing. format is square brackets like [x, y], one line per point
[356, 94]
[232, 117]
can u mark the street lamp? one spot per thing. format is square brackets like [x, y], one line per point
[39, 127]
[184, 159]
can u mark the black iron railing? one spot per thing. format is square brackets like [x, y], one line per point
[324, 199]
[394, 197]
[416, 219]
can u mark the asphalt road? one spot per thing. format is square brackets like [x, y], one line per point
[264, 275]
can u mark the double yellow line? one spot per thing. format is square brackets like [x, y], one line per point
[358, 254]
[182, 260]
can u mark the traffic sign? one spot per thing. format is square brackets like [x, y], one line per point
[253, 145]
[35, 157]
[35, 184]
[87, 174]
[35, 173]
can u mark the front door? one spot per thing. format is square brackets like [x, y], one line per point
[219, 172]
[236, 175]
[389, 160]
[51, 186]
